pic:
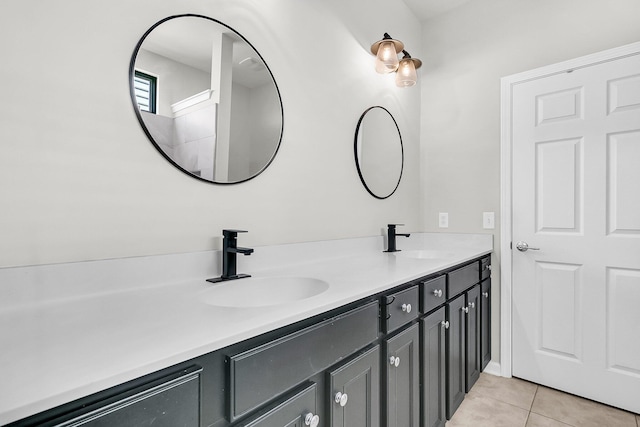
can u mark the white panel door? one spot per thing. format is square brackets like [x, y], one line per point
[576, 203]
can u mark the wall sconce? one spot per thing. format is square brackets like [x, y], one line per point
[386, 51]
[406, 75]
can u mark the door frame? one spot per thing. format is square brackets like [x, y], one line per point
[507, 85]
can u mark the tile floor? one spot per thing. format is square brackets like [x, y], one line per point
[511, 402]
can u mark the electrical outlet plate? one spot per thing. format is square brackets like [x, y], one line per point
[488, 220]
[443, 220]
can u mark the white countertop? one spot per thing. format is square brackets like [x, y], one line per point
[70, 330]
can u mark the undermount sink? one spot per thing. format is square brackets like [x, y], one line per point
[262, 291]
[425, 254]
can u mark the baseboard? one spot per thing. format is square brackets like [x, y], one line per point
[493, 368]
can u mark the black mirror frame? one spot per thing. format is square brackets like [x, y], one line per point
[146, 130]
[355, 152]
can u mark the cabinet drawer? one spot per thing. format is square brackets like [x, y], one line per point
[434, 293]
[485, 268]
[290, 412]
[260, 374]
[400, 308]
[462, 279]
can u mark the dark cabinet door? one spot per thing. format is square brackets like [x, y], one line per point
[354, 392]
[472, 344]
[455, 344]
[298, 410]
[402, 379]
[172, 401]
[485, 323]
[433, 369]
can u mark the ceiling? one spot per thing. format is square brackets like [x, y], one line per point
[428, 9]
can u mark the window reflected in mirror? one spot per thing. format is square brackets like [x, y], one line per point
[145, 90]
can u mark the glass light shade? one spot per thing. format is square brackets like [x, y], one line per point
[386, 58]
[407, 75]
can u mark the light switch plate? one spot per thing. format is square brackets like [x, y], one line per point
[488, 220]
[443, 220]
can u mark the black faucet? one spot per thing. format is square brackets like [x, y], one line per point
[230, 250]
[391, 237]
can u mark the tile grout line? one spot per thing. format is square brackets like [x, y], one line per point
[542, 415]
[501, 401]
[535, 393]
[513, 405]
[636, 416]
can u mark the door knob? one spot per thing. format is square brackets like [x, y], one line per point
[406, 308]
[394, 361]
[485, 294]
[437, 293]
[445, 324]
[472, 304]
[465, 309]
[524, 246]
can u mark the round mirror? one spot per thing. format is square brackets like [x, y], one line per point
[378, 151]
[206, 99]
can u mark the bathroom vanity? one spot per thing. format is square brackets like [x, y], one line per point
[393, 340]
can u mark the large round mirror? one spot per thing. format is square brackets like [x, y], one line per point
[378, 151]
[206, 99]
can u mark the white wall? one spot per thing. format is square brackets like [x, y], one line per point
[266, 125]
[240, 134]
[80, 181]
[255, 129]
[465, 53]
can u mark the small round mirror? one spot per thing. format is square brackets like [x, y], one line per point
[206, 99]
[378, 151]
